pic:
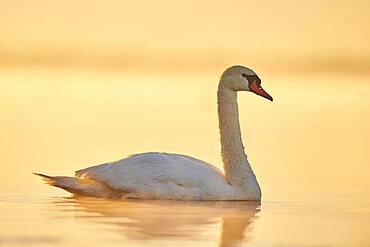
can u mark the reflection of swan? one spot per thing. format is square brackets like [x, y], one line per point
[180, 177]
[145, 219]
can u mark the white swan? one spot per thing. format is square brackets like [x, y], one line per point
[180, 177]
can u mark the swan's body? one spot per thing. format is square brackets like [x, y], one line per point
[180, 177]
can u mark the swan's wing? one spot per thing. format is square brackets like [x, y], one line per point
[157, 175]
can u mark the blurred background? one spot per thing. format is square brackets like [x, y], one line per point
[85, 82]
[299, 37]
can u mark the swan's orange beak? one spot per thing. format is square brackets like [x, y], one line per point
[259, 90]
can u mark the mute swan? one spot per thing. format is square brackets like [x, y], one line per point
[180, 177]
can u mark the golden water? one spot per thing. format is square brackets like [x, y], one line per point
[309, 149]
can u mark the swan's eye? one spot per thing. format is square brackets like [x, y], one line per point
[245, 76]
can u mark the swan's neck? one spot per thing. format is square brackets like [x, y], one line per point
[237, 169]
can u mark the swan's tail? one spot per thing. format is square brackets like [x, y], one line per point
[85, 187]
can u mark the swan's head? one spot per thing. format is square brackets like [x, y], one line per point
[240, 78]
